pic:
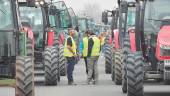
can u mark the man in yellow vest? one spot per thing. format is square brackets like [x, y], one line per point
[85, 49]
[94, 47]
[70, 54]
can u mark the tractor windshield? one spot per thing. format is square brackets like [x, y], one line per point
[63, 14]
[131, 17]
[156, 11]
[33, 16]
[6, 17]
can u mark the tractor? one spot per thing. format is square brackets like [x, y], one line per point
[122, 23]
[148, 51]
[17, 53]
[45, 20]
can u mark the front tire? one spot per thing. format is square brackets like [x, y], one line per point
[51, 66]
[62, 62]
[135, 74]
[118, 67]
[108, 59]
[24, 76]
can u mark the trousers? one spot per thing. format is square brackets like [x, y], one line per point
[71, 61]
[92, 68]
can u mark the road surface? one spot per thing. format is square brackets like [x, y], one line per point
[105, 86]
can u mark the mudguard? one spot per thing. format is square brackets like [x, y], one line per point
[132, 39]
[163, 39]
[116, 39]
[61, 39]
[50, 39]
[30, 34]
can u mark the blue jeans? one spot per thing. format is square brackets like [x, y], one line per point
[71, 61]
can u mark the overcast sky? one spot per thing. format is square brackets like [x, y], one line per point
[79, 4]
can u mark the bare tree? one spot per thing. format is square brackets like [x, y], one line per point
[93, 11]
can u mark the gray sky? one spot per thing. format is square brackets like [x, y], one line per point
[79, 4]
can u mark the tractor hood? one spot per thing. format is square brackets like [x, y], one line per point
[164, 36]
[163, 44]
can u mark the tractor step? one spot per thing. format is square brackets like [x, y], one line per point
[39, 73]
[153, 75]
[39, 79]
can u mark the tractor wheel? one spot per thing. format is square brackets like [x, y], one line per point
[56, 45]
[126, 50]
[24, 76]
[62, 62]
[108, 59]
[135, 74]
[113, 62]
[118, 67]
[51, 65]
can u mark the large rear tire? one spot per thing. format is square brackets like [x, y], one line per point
[108, 59]
[51, 66]
[62, 62]
[118, 67]
[24, 76]
[135, 74]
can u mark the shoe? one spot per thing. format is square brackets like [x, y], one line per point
[71, 83]
[94, 82]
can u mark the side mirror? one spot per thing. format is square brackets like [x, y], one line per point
[105, 17]
[124, 6]
[53, 10]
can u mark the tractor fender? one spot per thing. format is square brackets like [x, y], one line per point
[50, 37]
[163, 38]
[132, 39]
[116, 39]
[29, 33]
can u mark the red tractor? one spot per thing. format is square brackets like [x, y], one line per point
[148, 56]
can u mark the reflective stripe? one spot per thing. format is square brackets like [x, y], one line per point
[67, 52]
[85, 46]
[96, 46]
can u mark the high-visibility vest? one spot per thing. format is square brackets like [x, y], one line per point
[67, 52]
[85, 46]
[96, 46]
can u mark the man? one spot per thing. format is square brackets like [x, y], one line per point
[70, 54]
[92, 58]
[85, 49]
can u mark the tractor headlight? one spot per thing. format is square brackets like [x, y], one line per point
[41, 2]
[165, 47]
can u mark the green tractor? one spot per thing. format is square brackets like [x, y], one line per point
[16, 56]
[46, 21]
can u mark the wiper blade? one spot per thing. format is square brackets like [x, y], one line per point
[165, 20]
[8, 30]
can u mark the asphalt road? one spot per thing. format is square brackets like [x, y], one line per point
[105, 87]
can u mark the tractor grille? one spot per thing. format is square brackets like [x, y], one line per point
[4, 71]
[165, 51]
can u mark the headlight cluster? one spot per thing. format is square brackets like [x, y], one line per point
[39, 2]
[165, 47]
